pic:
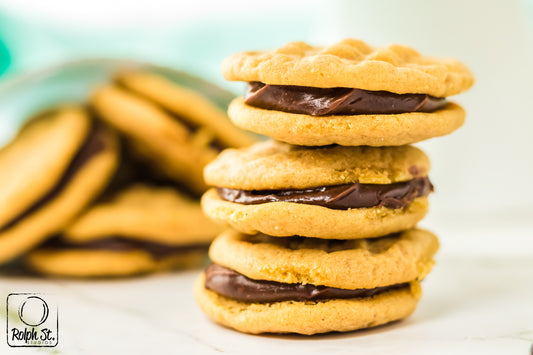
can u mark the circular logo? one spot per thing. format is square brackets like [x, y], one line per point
[33, 311]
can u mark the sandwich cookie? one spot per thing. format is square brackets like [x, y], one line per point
[177, 130]
[141, 229]
[349, 94]
[332, 192]
[261, 284]
[53, 168]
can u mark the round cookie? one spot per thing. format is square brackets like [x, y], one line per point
[308, 318]
[274, 167]
[176, 130]
[82, 177]
[139, 230]
[348, 264]
[354, 64]
[352, 130]
[158, 137]
[58, 135]
[144, 212]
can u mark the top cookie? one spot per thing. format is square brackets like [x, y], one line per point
[354, 64]
[276, 165]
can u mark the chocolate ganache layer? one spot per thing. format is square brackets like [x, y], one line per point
[234, 285]
[340, 197]
[337, 101]
[94, 144]
[157, 250]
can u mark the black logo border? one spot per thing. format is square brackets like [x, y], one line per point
[7, 323]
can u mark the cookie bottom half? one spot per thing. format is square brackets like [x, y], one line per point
[282, 219]
[375, 130]
[109, 263]
[335, 315]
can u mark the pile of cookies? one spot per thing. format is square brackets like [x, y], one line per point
[323, 219]
[110, 189]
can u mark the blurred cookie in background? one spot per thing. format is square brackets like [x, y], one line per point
[139, 230]
[193, 108]
[54, 167]
[178, 131]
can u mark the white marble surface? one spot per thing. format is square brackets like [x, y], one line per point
[478, 300]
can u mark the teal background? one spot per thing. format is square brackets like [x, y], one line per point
[5, 60]
[197, 46]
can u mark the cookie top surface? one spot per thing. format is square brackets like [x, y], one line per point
[348, 264]
[354, 64]
[37, 158]
[143, 212]
[276, 165]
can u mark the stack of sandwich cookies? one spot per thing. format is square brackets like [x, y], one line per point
[141, 229]
[324, 234]
[323, 238]
[349, 94]
[56, 165]
[176, 130]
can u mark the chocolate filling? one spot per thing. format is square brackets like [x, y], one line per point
[94, 144]
[157, 250]
[337, 101]
[340, 197]
[234, 285]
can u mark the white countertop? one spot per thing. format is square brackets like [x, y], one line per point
[478, 299]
